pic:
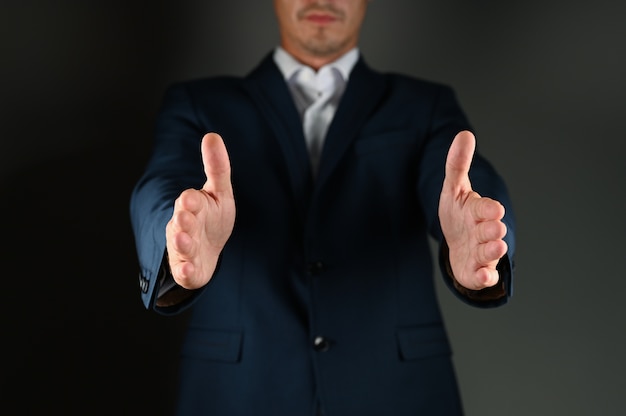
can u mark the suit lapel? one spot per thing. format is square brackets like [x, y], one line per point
[268, 89]
[363, 92]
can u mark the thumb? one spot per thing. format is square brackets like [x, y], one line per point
[216, 164]
[459, 159]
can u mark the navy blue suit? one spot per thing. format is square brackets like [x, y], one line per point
[324, 294]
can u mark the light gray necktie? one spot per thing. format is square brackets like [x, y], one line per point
[318, 90]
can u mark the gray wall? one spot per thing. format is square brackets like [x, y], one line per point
[80, 83]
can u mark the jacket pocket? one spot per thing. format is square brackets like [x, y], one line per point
[224, 346]
[422, 342]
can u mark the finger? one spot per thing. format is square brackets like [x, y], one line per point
[490, 231]
[486, 209]
[178, 231]
[489, 253]
[216, 164]
[183, 244]
[486, 277]
[189, 200]
[460, 157]
[185, 221]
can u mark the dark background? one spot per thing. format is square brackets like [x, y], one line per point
[80, 83]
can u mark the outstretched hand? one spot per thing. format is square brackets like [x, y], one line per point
[472, 225]
[203, 219]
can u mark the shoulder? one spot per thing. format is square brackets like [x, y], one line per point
[404, 84]
[201, 92]
[413, 84]
[213, 84]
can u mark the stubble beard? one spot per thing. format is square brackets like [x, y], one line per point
[322, 46]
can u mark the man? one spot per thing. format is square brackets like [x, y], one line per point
[297, 227]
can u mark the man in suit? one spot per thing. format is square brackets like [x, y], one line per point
[292, 210]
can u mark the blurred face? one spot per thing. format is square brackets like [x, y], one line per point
[319, 31]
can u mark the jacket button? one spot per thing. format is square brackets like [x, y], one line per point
[143, 283]
[315, 268]
[321, 344]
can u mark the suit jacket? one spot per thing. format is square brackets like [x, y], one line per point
[324, 295]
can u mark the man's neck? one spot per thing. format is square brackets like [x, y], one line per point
[289, 64]
[314, 61]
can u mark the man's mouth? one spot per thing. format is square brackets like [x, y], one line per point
[320, 18]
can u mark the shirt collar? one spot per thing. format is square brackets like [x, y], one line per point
[288, 65]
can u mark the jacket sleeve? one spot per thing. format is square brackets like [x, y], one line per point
[447, 120]
[174, 165]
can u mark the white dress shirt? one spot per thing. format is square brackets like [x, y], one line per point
[316, 94]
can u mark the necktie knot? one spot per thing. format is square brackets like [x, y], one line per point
[317, 84]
